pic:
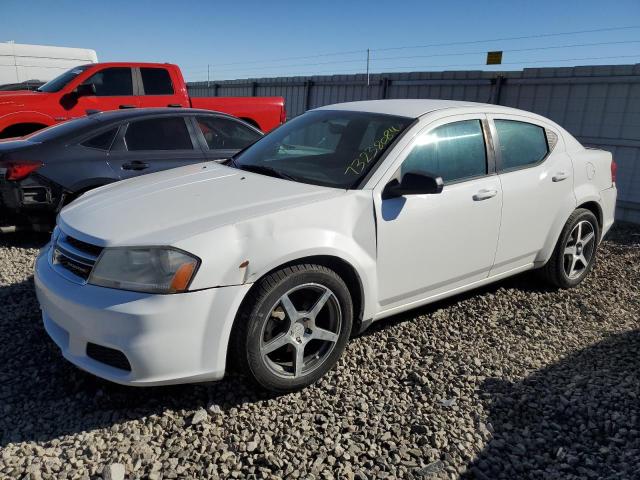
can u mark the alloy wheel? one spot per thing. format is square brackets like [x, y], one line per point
[579, 249]
[301, 330]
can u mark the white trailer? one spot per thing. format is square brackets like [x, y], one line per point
[21, 62]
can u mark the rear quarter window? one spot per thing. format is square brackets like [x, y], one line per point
[102, 141]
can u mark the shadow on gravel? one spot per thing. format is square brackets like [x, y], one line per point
[579, 418]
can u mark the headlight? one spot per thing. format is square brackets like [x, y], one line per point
[145, 269]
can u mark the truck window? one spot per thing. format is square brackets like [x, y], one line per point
[226, 134]
[112, 82]
[156, 81]
[166, 133]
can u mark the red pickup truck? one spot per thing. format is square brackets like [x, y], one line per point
[112, 86]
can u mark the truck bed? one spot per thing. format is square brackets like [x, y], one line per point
[257, 111]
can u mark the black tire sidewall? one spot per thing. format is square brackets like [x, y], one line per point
[258, 313]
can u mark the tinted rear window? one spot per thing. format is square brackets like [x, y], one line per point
[156, 81]
[168, 133]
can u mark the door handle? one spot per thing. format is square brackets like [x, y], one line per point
[485, 194]
[174, 105]
[558, 177]
[122, 107]
[135, 165]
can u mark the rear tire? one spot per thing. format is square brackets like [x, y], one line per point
[575, 252]
[293, 327]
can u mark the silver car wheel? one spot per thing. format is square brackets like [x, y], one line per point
[579, 249]
[301, 330]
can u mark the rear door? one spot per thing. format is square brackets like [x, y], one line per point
[156, 88]
[114, 90]
[536, 175]
[154, 144]
[222, 137]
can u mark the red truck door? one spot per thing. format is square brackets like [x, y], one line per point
[114, 89]
[158, 88]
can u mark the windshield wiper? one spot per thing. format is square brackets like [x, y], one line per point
[265, 170]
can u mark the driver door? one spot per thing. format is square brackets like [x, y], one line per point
[114, 90]
[431, 244]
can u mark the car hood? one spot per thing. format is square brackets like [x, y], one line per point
[166, 207]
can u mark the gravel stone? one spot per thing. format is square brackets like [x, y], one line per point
[115, 471]
[514, 380]
[199, 417]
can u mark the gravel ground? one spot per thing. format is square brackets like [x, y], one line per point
[515, 380]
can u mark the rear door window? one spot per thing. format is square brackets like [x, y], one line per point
[521, 144]
[166, 133]
[226, 134]
[455, 151]
[156, 81]
[112, 82]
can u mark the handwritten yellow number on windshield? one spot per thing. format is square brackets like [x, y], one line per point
[357, 166]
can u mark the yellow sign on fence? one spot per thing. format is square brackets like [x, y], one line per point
[494, 58]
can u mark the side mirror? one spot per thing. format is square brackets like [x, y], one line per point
[413, 183]
[85, 90]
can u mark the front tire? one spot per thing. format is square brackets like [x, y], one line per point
[293, 327]
[575, 253]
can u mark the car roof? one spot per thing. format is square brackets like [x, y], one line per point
[79, 126]
[127, 114]
[412, 108]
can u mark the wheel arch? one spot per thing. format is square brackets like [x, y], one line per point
[342, 267]
[595, 208]
[19, 120]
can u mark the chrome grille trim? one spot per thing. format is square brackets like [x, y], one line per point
[71, 261]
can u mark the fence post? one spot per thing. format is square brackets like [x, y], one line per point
[497, 89]
[215, 89]
[385, 85]
[254, 88]
[307, 93]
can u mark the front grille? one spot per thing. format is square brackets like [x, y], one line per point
[84, 246]
[73, 258]
[108, 356]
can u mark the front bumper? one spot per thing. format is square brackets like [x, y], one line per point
[167, 339]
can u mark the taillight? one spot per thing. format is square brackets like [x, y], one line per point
[19, 170]
[614, 170]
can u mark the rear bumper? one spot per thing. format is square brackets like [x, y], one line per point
[32, 201]
[165, 338]
[608, 201]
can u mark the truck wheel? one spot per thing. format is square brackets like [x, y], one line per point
[575, 253]
[293, 327]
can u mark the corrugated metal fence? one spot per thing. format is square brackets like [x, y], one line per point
[600, 105]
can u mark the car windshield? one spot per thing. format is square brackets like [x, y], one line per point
[61, 81]
[332, 148]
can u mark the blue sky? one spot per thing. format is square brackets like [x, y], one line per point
[258, 38]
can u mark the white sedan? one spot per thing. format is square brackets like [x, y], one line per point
[344, 215]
